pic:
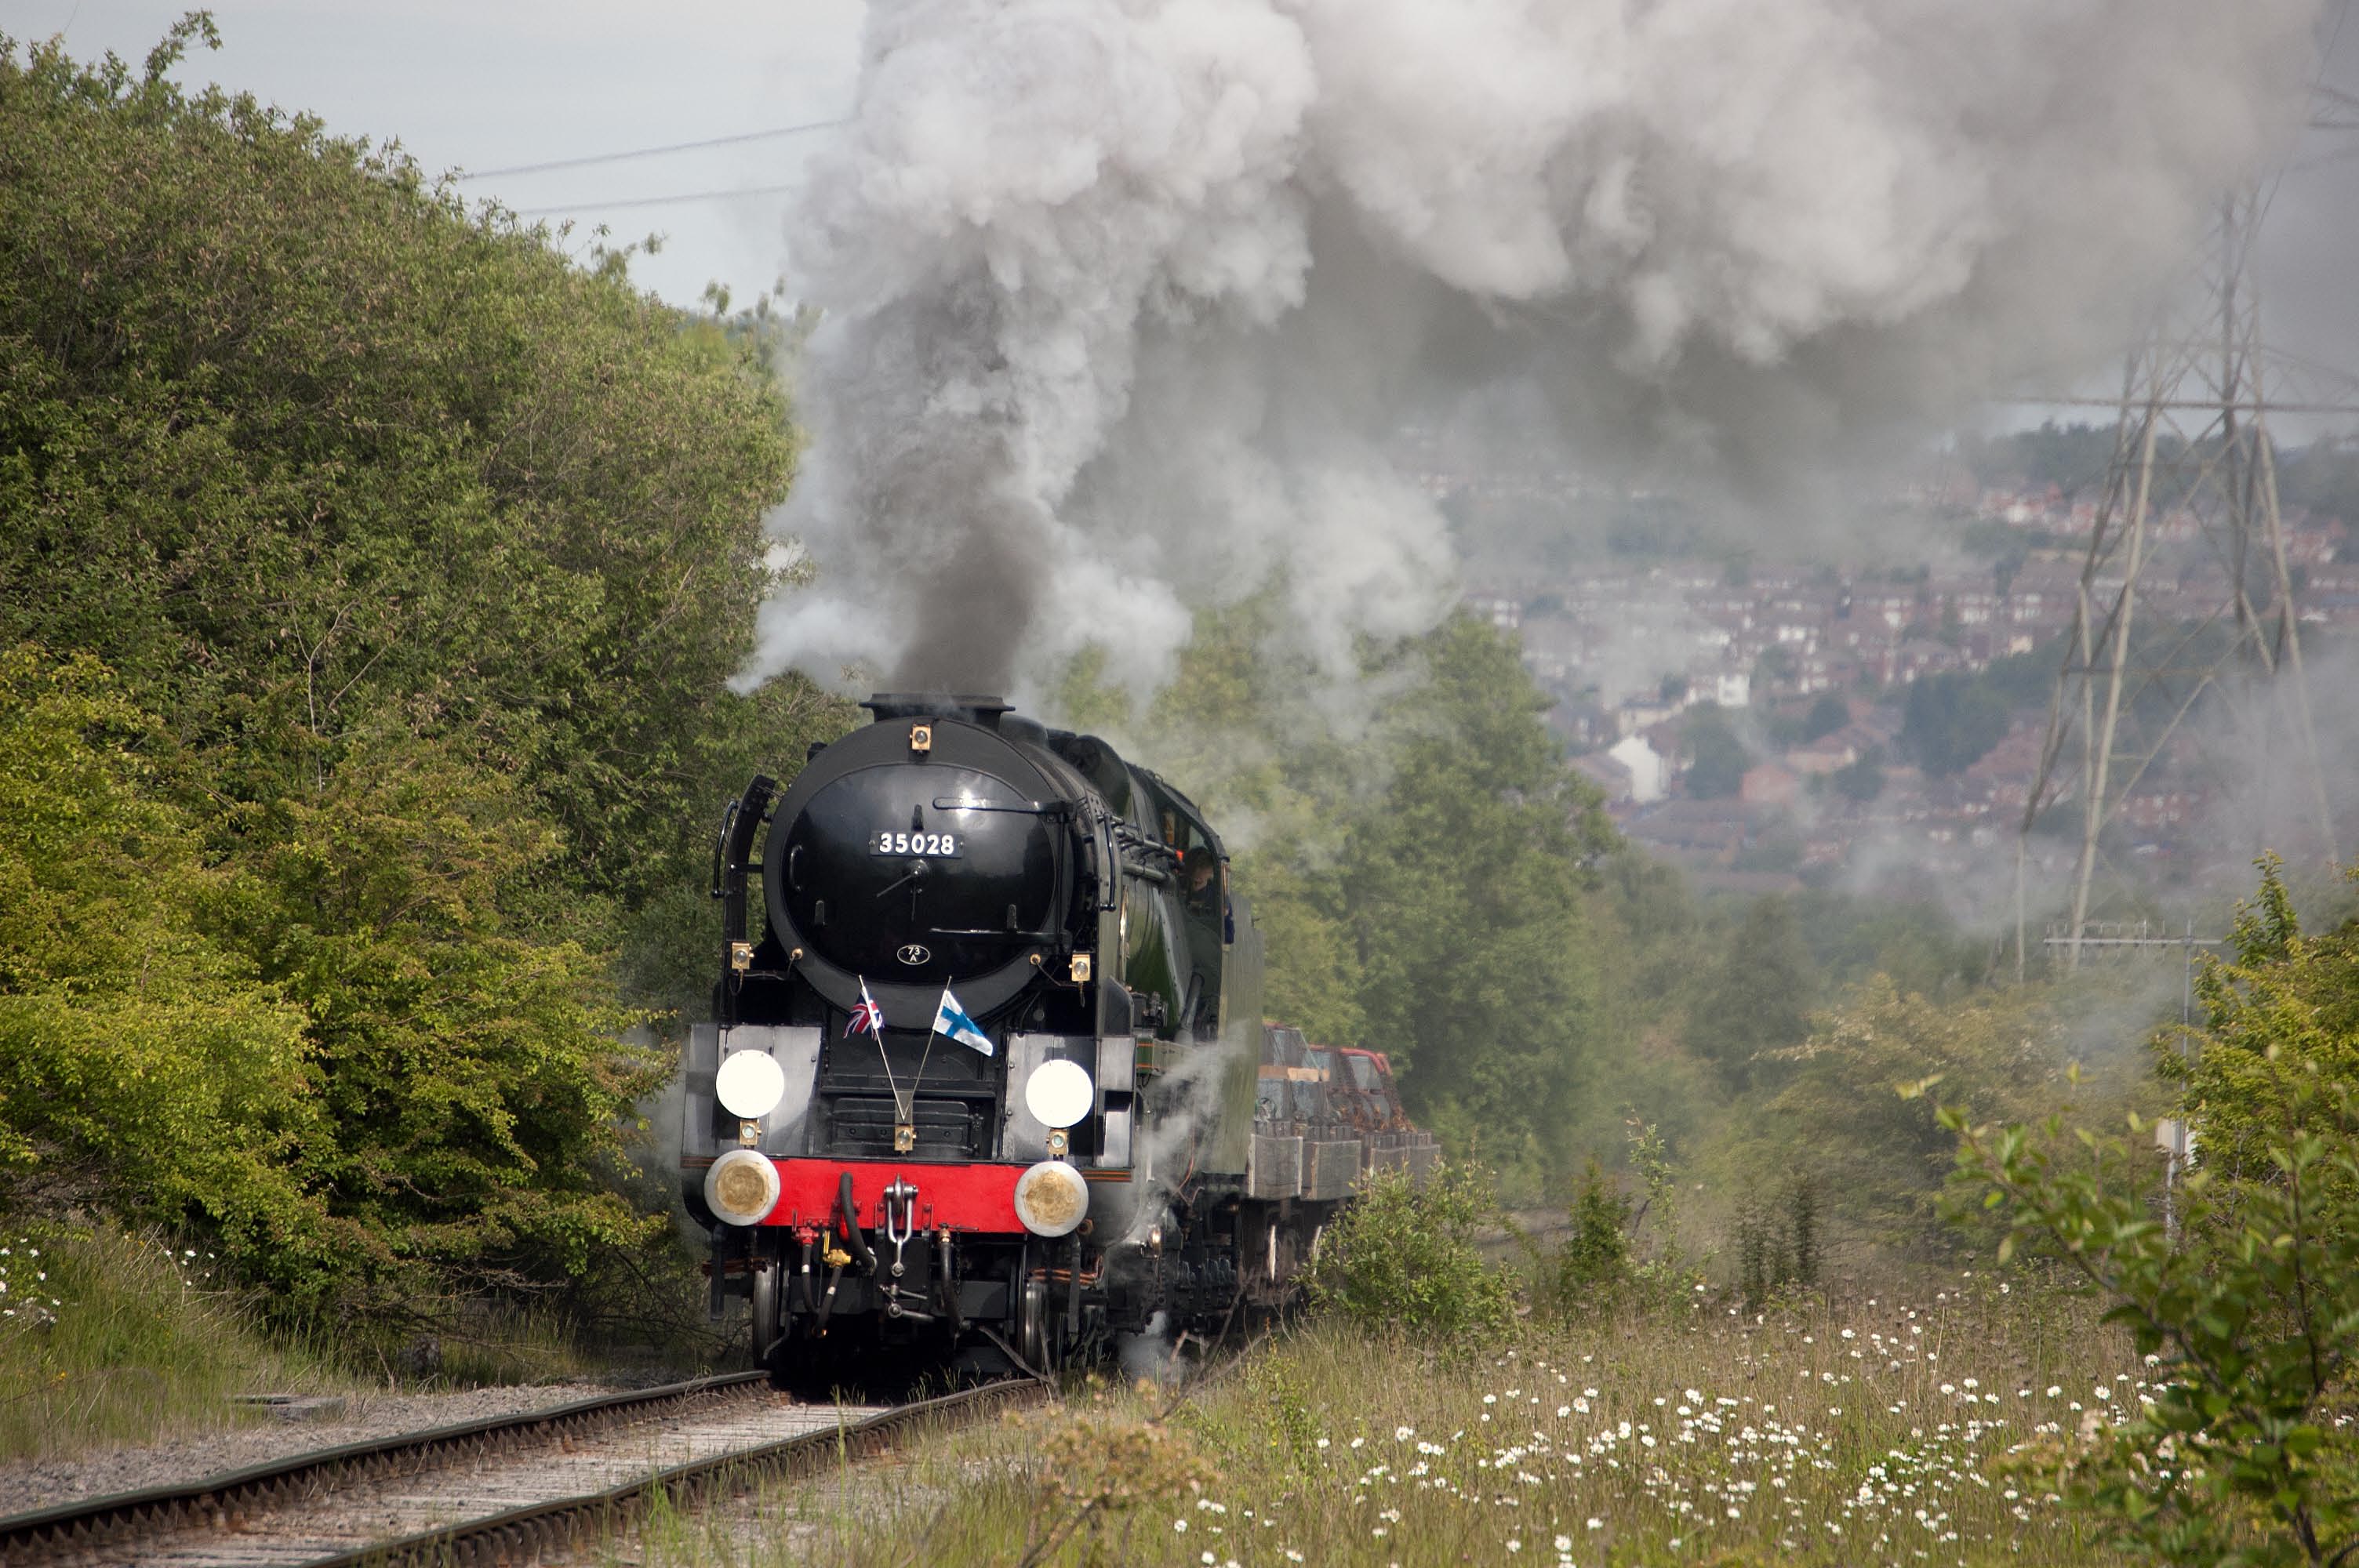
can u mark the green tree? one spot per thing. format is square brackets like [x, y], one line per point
[1716, 758]
[144, 1063]
[1827, 714]
[1952, 721]
[468, 1057]
[299, 447]
[1315, 980]
[425, 556]
[1916, 943]
[1755, 996]
[1863, 780]
[2240, 1449]
[1594, 1261]
[1424, 881]
[2280, 995]
[1465, 890]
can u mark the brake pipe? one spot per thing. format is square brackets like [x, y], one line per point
[851, 1232]
[827, 1300]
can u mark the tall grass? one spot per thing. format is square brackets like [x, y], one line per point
[110, 1338]
[1877, 1430]
[487, 1343]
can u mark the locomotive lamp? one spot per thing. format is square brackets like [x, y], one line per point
[1051, 1199]
[749, 1084]
[1080, 968]
[1059, 1093]
[742, 1187]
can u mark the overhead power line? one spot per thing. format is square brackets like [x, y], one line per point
[586, 162]
[596, 205]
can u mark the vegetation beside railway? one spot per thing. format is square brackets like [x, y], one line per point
[1870, 1432]
[370, 576]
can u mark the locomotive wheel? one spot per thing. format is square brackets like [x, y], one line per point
[769, 1329]
[1032, 1337]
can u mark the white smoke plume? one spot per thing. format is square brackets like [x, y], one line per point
[1121, 297]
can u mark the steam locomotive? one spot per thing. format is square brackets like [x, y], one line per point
[988, 1082]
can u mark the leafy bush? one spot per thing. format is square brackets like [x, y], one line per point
[471, 1078]
[1594, 1261]
[1403, 1258]
[345, 1062]
[2242, 1453]
[1884, 1159]
[2248, 1301]
[146, 1063]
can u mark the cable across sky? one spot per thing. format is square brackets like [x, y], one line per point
[591, 158]
[597, 205]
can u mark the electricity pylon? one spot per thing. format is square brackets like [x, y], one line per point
[2191, 441]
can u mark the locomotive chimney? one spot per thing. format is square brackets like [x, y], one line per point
[974, 709]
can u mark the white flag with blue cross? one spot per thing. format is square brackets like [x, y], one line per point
[951, 1019]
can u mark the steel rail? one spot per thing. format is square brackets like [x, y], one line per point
[536, 1531]
[73, 1526]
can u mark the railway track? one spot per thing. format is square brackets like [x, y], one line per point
[512, 1489]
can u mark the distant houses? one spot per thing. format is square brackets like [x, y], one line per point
[1630, 649]
[1649, 770]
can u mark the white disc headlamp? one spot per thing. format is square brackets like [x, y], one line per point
[750, 1083]
[742, 1187]
[1059, 1094]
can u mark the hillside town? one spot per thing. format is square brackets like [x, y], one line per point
[1816, 672]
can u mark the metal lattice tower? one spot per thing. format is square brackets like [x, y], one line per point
[2191, 439]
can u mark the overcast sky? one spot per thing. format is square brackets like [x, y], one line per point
[2310, 274]
[496, 83]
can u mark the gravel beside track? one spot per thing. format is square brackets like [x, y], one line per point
[504, 1491]
[325, 1502]
[30, 1484]
[558, 1532]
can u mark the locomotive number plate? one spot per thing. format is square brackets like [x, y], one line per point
[891, 843]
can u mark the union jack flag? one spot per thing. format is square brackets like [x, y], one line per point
[867, 1018]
